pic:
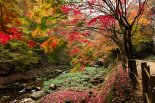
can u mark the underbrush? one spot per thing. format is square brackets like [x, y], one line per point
[79, 87]
[122, 91]
[79, 80]
[67, 96]
[16, 56]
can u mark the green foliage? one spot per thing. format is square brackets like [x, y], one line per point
[78, 80]
[142, 44]
[58, 54]
[139, 48]
[141, 39]
[47, 14]
[32, 24]
[112, 55]
[76, 67]
[17, 55]
[150, 58]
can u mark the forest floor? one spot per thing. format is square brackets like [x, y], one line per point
[136, 95]
[116, 88]
[13, 89]
[122, 90]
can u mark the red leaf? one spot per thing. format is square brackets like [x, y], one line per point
[14, 30]
[93, 21]
[54, 44]
[105, 19]
[86, 33]
[74, 21]
[77, 12]
[82, 67]
[74, 51]
[16, 33]
[65, 9]
[74, 36]
[4, 38]
[142, 6]
[31, 44]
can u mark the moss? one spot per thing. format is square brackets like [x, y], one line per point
[78, 80]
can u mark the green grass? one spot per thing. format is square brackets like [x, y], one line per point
[78, 80]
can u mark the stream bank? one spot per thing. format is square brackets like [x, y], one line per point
[20, 85]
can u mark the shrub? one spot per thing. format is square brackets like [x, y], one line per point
[142, 46]
[66, 96]
[16, 55]
[78, 80]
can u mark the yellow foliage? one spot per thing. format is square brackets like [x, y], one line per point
[39, 33]
[50, 44]
[76, 68]
[144, 20]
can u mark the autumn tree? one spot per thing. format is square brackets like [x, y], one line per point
[15, 44]
[117, 20]
[114, 16]
[9, 13]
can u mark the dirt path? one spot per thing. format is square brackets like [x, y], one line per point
[152, 71]
[151, 64]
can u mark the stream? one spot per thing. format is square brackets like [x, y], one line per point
[18, 89]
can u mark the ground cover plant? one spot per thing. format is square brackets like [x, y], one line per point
[79, 80]
[122, 91]
[116, 88]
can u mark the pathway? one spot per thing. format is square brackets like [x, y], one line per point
[151, 64]
[152, 71]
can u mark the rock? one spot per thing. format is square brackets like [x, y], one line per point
[5, 98]
[47, 91]
[38, 89]
[86, 79]
[38, 79]
[27, 100]
[53, 87]
[14, 101]
[58, 70]
[17, 83]
[24, 84]
[21, 91]
[96, 80]
[37, 95]
[32, 88]
[29, 88]
[4, 72]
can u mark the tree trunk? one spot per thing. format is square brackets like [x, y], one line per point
[130, 54]
[131, 62]
[125, 45]
[122, 57]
